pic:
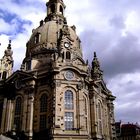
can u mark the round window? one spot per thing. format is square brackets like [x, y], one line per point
[69, 75]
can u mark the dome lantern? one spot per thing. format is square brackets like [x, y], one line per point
[55, 8]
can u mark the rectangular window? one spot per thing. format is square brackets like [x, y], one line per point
[69, 120]
[37, 38]
[28, 65]
[43, 122]
[100, 127]
[85, 106]
[86, 123]
[17, 123]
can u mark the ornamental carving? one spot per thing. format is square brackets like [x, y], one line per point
[44, 47]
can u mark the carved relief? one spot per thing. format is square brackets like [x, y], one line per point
[44, 47]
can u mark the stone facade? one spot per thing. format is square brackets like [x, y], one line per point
[56, 95]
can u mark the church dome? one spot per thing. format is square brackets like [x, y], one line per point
[46, 37]
[53, 34]
[53, 40]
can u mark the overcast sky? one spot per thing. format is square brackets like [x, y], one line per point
[109, 27]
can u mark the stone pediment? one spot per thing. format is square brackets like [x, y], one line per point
[19, 75]
[105, 90]
[20, 79]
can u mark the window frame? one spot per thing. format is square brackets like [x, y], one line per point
[69, 120]
[68, 55]
[69, 100]
[18, 112]
[43, 109]
[61, 9]
[69, 107]
[43, 103]
[37, 38]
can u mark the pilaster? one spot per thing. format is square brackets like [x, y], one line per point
[25, 113]
[8, 116]
[29, 116]
[3, 116]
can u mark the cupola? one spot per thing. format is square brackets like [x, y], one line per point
[55, 7]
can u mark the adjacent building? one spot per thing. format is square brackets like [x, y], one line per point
[127, 131]
[55, 95]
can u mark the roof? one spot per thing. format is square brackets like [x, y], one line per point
[49, 34]
[130, 126]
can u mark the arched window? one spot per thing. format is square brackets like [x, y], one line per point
[43, 103]
[99, 112]
[18, 113]
[69, 114]
[68, 55]
[68, 100]
[52, 8]
[61, 9]
[43, 112]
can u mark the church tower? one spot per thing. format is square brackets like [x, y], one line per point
[6, 63]
[55, 95]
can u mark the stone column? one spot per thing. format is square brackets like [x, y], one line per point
[30, 109]
[24, 113]
[79, 87]
[29, 116]
[3, 115]
[8, 117]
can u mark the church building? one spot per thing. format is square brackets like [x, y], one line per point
[55, 95]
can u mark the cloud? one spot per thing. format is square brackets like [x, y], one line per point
[123, 57]
[17, 23]
[5, 27]
[126, 88]
[111, 28]
[4, 41]
[118, 22]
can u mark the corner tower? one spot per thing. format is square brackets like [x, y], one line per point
[6, 63]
